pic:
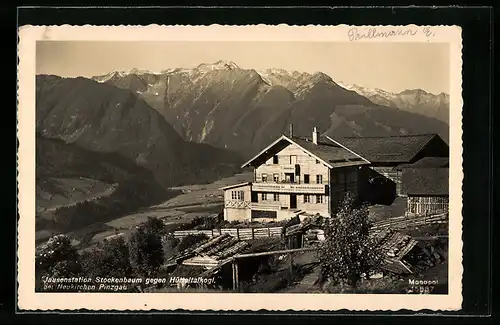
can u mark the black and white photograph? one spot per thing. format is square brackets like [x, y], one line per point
[243, 166]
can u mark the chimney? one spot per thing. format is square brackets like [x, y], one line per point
[291, 131]
[315, 136]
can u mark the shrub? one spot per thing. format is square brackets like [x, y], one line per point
[109, 258]
[146, 247]
[169, 246]
[57, 249]
[57, 258]
[191, 240]
[202, 223]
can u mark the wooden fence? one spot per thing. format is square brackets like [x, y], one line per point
[240, 233]
[409, 221]
[252, 233]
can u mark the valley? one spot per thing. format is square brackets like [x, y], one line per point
[191, 201]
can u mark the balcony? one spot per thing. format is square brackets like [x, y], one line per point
[271, 205]
[290, 188]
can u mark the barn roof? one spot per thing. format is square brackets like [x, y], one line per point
[425, 181]
[428, 162]
[396, 149]
[211, 252]
[328, 151]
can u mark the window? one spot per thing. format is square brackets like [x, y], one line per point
[264, 196]
[293, 160]
[319, 198]
[317, 161]
[319, 179]
[276, 197]
[276, 178]
[264, 177]
[275, 159]
[289, 177]
[307, 198]
[306, 178]
[238, 195]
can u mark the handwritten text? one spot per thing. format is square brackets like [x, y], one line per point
[356, 34]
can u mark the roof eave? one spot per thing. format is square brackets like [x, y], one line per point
[352, 163]
[235, 186]
[247, 164]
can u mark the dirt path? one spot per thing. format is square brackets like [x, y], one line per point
[307, 261]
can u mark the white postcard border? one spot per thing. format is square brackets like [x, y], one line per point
[29, 300]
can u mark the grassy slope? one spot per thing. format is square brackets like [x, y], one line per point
[76, 187]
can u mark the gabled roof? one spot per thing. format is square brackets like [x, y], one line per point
[425, 181]
[395, 149]
[327, 151]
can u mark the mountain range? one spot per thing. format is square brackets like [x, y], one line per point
[243, 109]
[101, 148]
[412, 100]
[112, 143]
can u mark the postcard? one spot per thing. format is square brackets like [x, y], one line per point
[240, 168]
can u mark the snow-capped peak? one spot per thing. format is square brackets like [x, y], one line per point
[121, 74]
[140, 71]
[219, 65]
[364, 91]
[110, 75]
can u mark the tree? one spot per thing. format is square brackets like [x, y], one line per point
[146, 248]
[154, 225]
[110, 258]
[348, 251]
[57, 258]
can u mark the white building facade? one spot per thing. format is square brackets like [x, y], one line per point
[294, 176]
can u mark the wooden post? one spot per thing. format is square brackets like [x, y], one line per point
[253, 233]
[212, 232]
[234, 274]
[290, 270]
[269, 231]
[238, 233]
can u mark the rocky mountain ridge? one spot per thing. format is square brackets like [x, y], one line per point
[412, 100]
[100, 117]
[243, 109]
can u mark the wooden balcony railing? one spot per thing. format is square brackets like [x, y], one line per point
[290, 188]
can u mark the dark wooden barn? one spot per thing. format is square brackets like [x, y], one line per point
[381, 181]
[427, 190]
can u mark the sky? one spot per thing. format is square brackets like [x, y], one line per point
[392, 67]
